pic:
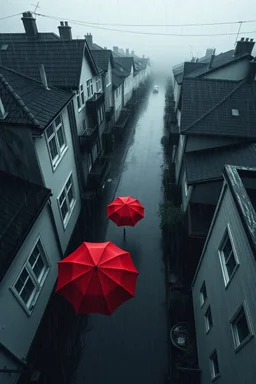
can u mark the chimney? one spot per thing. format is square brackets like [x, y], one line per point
[29, 23]
[3, 113]
[211, 60]
[115, 49]
[244, 46]
[127, 52]
[132, 53]
[209, 52]
[43, 76]
[105, 48]
[89, 40]
[143, 56]
[65, 31]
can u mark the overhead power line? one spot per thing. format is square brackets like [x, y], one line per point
[152, 25]
[8, 17]
[85, 24]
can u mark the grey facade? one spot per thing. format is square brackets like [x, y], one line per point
[232, 292]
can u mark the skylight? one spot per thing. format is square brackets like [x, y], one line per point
[3, 47]
[235, 112]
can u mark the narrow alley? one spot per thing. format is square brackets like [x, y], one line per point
[131, 346]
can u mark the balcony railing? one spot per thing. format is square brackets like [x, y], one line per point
[95, 101]
[88, 138]
[98, 171]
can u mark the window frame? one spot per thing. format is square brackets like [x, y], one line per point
[38, 283]
[234, 320]
[71, 205]
[100, 113]
[213, 374]
[80, 97]
[202, 297]
[61, 150]
[208, 326]
[98, 81]
[89, 87]
[227, 234]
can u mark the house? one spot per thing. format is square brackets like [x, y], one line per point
[29, 252]
[128, 64]
[118, 76]
[217, 128]
[36, 141]
[224, 284]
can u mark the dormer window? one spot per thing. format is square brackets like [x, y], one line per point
[235, 112]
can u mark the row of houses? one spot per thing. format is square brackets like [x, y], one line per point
[214, 158]
[62, 104]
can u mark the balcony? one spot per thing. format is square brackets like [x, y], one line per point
[99, 171]
[199, 219]
[88, 138]
[109, 114]
[95, 101]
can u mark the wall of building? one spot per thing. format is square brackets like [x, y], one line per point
[186, 191]
[198, 143]
[56, 179]
[235, 367]
[236, 71]
[118, 101]
[179, 157]
[17, 328]
[128, 87]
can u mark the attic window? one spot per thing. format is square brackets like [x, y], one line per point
[3, 47]
[235, 112]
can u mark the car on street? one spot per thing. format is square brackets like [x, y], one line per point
[156, 89]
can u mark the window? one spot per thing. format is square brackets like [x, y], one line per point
[98, 146]
[31, 279]
[100, 114]
[241, 327]
[185, 184]
[89, 162]
[208, 319]
[203, 294]
[214, 365]
[235, 112]
[228, 258]
[98, 84]
[108, 78]
[56, 140]
[89, 86]
[80, 97]
[3, 47]
[66, 201]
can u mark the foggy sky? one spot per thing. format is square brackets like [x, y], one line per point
[164, 51]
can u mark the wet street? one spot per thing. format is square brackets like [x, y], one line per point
[131, 346]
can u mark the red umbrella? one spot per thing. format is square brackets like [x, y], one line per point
[97, 277]
[125, 211]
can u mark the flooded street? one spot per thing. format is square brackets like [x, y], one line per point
[131, 346]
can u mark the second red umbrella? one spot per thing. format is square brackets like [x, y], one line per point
[125, 210]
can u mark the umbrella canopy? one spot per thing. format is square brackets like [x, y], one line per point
[125, 211]
[97, 277]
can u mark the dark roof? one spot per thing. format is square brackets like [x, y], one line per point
[219, 61]
[27, 102]
[102, 58]
[118, 75]
[116, 80]
[207, 108]
[245, 206]
[209, 164]
[21, 202]
[23, 37]
[125, 62]
[62, 60]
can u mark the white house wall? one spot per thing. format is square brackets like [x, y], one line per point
[128, 87]
[55, 180]
[17, 328]
[118, 102]
[235, 71]
[235, 367]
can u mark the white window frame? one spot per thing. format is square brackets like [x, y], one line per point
[89, 88]
[71, 204]
[89, 161]
[242, 309]
[202, 297]
[38, 282]
[214, 375]
[98, 84]
[226, 277]
[80, 97]
[208, 326]
[60, 149]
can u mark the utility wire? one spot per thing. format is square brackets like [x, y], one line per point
[8, 17]
[144, 33]
[152, 25]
